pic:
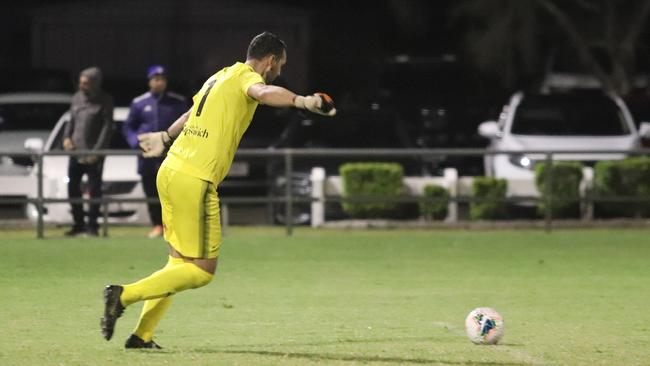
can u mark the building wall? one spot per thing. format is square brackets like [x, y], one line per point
[194, 38]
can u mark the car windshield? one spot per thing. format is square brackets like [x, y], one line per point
[569, 115]
[30, 116]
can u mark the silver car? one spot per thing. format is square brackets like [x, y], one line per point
[23, 116]
[120, 177]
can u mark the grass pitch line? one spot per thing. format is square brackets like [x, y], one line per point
[515, 353]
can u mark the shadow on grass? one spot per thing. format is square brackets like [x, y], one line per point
[336, 357]
[335, 342]
[363, 340]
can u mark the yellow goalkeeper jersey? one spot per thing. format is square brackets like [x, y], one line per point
[221, 113]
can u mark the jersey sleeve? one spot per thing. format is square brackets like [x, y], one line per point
[250, 78]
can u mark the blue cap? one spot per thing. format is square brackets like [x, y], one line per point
[154, 70]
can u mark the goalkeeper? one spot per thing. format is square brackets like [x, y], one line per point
[202, 144]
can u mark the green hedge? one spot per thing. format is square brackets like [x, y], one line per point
[434, 204]
[488, 189]
[371, 180]
[629, 178]
[564, 187]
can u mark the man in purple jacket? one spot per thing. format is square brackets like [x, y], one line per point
[152, 111]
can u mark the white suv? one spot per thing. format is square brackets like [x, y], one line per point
[120, 177]
[569, 121]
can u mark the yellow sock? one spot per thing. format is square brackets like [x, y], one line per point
[153, 310]
[165, 282]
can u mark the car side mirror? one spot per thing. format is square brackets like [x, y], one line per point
[490, 130]
[34, 144]
[644, 130]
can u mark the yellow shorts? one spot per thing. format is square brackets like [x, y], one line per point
[190, 213]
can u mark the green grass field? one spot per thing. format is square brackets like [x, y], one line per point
[339, 297]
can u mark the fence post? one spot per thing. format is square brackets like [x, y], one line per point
[318, 194]
[548, 192]
[586, 187]
[288, 212]
[105, 216]
[39, 196]
[451, 178]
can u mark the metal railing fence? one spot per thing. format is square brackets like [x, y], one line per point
[290, 156]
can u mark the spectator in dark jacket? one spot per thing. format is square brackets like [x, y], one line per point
[91, 119]
[153, 111]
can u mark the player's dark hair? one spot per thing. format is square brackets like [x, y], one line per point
[265, 44]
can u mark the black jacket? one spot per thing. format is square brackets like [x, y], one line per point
[91, 116]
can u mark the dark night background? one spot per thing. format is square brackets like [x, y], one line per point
[350, 41]
[457, 61]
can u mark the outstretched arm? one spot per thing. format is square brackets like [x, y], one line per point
[277, 96]
[272, 95]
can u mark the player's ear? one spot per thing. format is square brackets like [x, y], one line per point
[273, 59]
[266, 62]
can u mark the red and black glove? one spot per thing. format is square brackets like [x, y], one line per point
[319, 103]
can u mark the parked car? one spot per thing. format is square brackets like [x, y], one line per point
[568, 121]
[120, 177]
[24, 115]
[28, 114]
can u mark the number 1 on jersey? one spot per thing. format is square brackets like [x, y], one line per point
[205, 96]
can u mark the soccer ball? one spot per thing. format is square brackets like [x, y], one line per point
[484, 326]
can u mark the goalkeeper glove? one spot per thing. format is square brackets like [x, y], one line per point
[154, 144]
[319, 103]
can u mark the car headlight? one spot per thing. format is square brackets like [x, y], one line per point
[522, 161]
